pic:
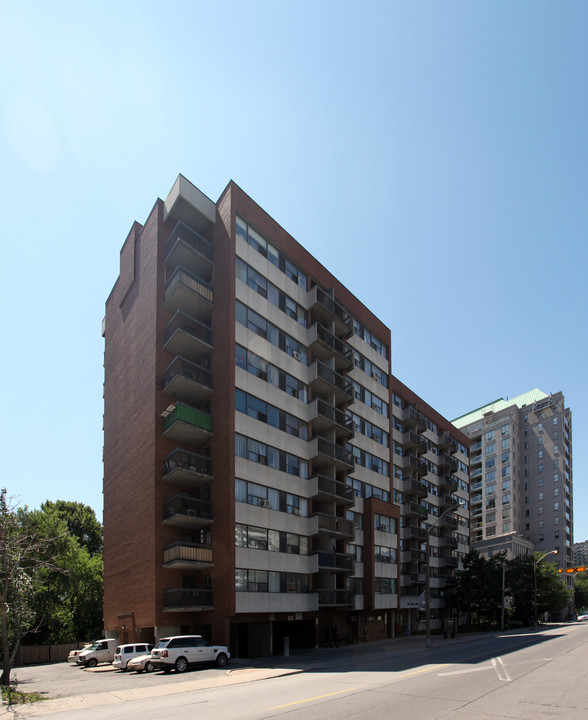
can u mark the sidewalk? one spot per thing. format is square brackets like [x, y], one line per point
[249, 670]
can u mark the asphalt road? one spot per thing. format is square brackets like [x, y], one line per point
[525, 675]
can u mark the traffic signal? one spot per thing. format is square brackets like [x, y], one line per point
[569, 571]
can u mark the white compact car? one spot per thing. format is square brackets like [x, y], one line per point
[124, 653]
[181, 651]
[141, 663]
[73, 655]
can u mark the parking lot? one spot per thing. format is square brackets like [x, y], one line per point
[65, 679]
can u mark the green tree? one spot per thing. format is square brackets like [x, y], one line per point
[81, 523]
[581, 591]
[479, 588]
[69, 605]
[552, 594]
[23, 555]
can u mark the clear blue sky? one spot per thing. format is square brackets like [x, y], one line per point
[433, 155]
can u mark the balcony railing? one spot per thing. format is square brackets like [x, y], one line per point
[446, 462]
[186, 336]
[328, 382]
[336, 562]
[448, 521]
[446, 442]
[191, 238]
[189, 293]
[417, 510]
[413, 418]
[414, 442]
[448, 482]
[415, 532]
[448, 541]
[185, 379]
[335, 526]
[413, 463]
[412, 486]
[343, 494]
[187, 555]
[187, 468]
[187, 512]
[416, 578]
[187, 424]
[325, 307]
[181, 599]
[328, 416]
[335, 597]
[326, 452]
[326, 345]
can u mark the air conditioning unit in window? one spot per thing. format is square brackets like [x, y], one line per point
[382, 527]
[295, 355]
[375, 405]
[376, 375]
[296, 511]
[265, 503]
[356, 525]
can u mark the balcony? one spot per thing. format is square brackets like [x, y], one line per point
[327, 417]
[190, 250]
[187, 556]
[413, 442]
[448, 483]
[186, 512]
[336, 598]
[447, 501]
[187, 337]
[329, 489]
[325, 345]
[414, 510]
[448, 541]
[413, 556]
[412, 486]
[325, 309]
[187, 380]
[447, 463]
[182, 600]
[450, 561]
[412, 463]
[414, 419]
[327, 382]
[448, 522]
[186, 468]
[446, 443]
[186, 424]
[336, 562]
[188, 293]
[416, 578]
[326, 453]
[415, 533]
[335, 527]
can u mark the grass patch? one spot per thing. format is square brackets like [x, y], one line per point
[17, 697]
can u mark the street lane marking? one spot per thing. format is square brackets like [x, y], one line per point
[497, 665]
[318, 697]
[506, 677]
[425, 669]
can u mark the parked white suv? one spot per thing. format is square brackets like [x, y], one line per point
[181, 651]
[124, 653]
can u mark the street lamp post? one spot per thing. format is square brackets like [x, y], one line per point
[428, 576]
[535, 563]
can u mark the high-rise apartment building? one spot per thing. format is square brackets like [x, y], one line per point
[265, 475]
[521, 473]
